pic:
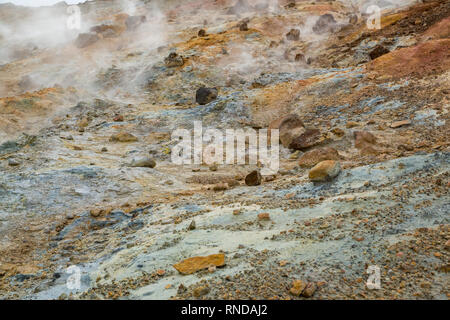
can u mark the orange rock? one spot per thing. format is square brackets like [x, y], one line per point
[297, 287]
[195, 264]
[263, 216]
[325, 170]
[160, 272]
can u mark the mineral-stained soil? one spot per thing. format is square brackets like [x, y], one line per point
[87, 180]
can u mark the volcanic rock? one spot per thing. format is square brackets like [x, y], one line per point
[313, 157]
[253, 178]
[86, 39]
[192, 265]
[206, 95]
[325, 171]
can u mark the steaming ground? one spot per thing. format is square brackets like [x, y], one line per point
[80, 114]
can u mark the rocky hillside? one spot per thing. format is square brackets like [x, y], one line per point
[86, 177]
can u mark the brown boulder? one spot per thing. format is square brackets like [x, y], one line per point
[289, 127]
[378, 51]
[253, 178]
[325, 171]
[309, 138]
[86, 39]
[313, 157]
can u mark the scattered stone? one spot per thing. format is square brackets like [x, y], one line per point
[192, 265]
[263, 216]
[174, 60]
[326, 23]
[309, 138]
[325, 171]
[123, 137]
[300, 57]
[313, 157]
[293, 35]
[201, 291]
[351, 124]
[378, 51]
[401, 123]
[160, 272]
[253, 178]
[13, 163]
[243, 26]
[338, 132]
[213, 167]
[206, 95]
[118, 118]
[181, 289]
[309, 290]
[220, 187]
[289, 127]
[297, 287]
[143, 162]
[201, 33]
[192, 226]
[86, 39]
[104, 149]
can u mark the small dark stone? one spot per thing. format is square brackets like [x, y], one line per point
[293, 35]
[378, 51]
[253, 178]
[206, 95]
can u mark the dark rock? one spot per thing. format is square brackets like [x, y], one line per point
[201, 33]
[144, 162]
[86, 39]
[300, 57]
[293, 35]
[289, 127]
[325, 23]
[306, 140]
[243, 26]
[253, 178]
[206, 95]
[378, 51]
[174, 60]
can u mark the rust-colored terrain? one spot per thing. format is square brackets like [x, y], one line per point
[86, 177]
